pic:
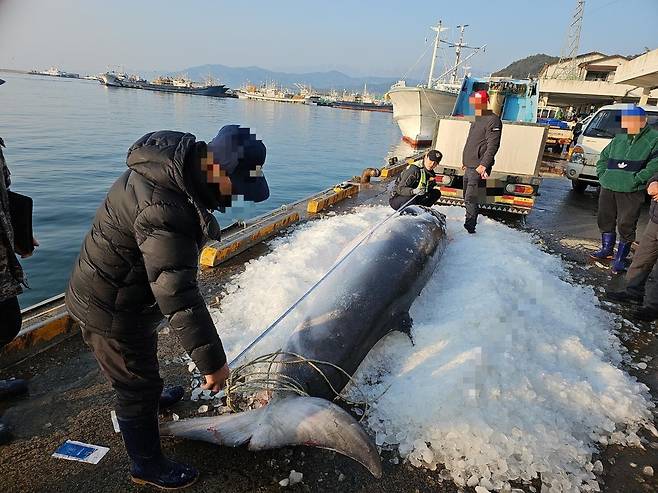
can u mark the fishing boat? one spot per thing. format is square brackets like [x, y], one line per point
[181, 85]
[362, 102]
[270, 92]
[416, 109]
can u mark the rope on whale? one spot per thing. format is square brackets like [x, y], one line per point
[248, 378]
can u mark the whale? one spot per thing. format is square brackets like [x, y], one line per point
[367, 296]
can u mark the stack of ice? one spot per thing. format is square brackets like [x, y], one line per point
[514, 372]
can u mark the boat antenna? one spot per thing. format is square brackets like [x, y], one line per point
[458, 52]
[438, 30]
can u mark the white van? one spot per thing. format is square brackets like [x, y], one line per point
[601, 129]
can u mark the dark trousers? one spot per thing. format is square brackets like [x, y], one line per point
[620, 211]
[131, 366]
[642, 276]
[10, 320]
[473, 185]
[428, 200]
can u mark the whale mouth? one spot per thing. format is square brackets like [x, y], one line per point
[291, 421]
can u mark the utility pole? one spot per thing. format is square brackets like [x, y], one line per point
[567, 67]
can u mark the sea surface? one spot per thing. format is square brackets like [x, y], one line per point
[67, 141]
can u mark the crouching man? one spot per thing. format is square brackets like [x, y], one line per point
[139, 264]
[418, 181]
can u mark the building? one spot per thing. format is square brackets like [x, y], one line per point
[592, 83]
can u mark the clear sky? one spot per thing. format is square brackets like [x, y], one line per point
[365, 37]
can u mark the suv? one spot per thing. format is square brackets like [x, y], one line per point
[597, 133]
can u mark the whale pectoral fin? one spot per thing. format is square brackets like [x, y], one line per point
[404, 324]
[289, 421]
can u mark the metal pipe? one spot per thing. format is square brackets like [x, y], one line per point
[369, 173]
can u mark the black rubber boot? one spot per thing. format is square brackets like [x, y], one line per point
[624, 297]
[469, 225]
[645, 314]
[171, 395]
[10, 388]
[148, 466]
[5, 434]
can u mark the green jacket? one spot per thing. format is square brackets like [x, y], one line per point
[627, 162]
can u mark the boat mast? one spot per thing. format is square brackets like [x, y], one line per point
[458, 51]
[438, 30]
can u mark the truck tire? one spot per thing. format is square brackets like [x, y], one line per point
[578, 186]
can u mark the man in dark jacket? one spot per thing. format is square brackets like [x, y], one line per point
[625, 166]
[139, 263]
[479, 152]
[11, 281]
[641, 280]
[418, 181]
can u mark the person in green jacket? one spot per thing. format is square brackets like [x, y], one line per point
[625, 166]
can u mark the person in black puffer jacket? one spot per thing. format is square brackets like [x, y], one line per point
[139, 263]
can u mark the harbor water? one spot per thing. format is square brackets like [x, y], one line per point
[67, 141]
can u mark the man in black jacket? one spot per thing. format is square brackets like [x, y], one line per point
[418, 181]
[479, 152]
[139, 263]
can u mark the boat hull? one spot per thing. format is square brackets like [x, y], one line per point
[351, 105]
[218, 91]
[416, 111]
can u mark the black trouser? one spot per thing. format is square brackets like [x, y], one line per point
[620, 211]
[641, 277]
[428, 199]
[10, 320]
[473, 183]
[131, 366]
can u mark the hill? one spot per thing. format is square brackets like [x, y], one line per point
[526, 67]
[235, 77]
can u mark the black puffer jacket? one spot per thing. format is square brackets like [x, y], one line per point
[140, 259]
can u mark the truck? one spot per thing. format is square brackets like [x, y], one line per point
[515, 180]
[597, 133]
[559, 132]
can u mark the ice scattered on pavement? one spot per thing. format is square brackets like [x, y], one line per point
[514, 372]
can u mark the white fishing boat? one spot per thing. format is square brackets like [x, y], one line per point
[416, 109]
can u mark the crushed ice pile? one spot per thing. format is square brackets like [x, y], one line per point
[515, 369]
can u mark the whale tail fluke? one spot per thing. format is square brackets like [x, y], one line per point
[285, 422]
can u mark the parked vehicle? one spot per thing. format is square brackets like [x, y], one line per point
[604, 124]
[514, 180]
[559, 131]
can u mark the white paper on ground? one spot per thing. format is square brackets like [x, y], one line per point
[81, 452]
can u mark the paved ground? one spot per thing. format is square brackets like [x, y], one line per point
[69, 400]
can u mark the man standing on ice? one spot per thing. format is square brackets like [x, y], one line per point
[139, 264]
[479, 152]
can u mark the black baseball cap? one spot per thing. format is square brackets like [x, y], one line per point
[435, 155]
[242, 156]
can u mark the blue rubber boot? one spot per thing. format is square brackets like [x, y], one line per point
[148, 466]
[607, 247]
[618, 265]
[171, 395]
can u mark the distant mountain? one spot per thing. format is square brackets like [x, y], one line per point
[526, 67]
[237, 76]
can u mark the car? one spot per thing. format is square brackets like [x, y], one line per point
[604, 124]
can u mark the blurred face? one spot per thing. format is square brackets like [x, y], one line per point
[633, 123]
[478, 104]
[429, 164]
[215, 174]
